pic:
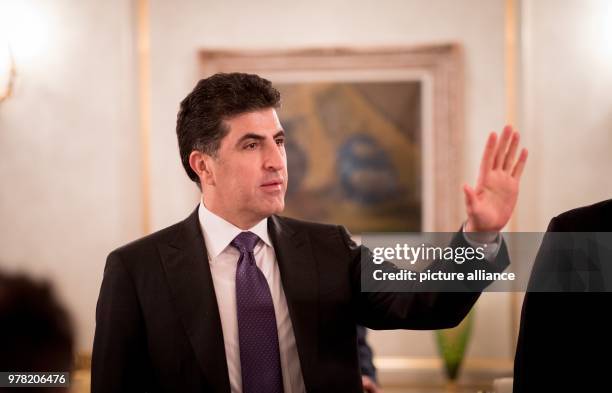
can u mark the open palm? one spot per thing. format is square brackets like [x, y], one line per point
[490, 204]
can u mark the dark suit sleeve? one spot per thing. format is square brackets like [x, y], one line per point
[537, 321]
[413, 310]
[545, 317]
[568, 261]
[560, 328]
[119, 351]
[365, 354]
[553, 259]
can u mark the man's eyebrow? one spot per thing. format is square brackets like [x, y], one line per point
[258, 137]
[250, 135]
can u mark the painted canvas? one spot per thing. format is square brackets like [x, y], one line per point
[354, 153]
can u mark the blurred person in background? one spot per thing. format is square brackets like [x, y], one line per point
[36, 333]
[564, 337]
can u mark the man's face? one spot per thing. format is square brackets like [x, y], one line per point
[249, 173]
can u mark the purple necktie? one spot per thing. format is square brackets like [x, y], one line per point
[257, 334]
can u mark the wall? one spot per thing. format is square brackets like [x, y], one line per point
[567, 108]
[69, 146]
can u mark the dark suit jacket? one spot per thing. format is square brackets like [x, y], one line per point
[564, 336]
[158, 327]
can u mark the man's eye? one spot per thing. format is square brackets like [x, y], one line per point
[251, 146]
[280, 142]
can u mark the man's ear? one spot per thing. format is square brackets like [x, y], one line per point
[201, 164]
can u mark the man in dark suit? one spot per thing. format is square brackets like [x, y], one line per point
[564, 337]
[237, 299]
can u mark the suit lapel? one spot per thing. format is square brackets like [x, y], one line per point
[299, 276]
[185, 262]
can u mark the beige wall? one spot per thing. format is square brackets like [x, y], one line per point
[71, 152]
[69, 147]
[567, 105]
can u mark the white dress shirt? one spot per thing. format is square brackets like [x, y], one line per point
[223, 260]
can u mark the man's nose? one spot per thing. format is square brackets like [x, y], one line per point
[274, 159]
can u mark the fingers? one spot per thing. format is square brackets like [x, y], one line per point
[504, 141]
[489, 153]
[509, 160]
[501, 155]
[520, 165]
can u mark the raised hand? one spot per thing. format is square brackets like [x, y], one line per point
[490, 204]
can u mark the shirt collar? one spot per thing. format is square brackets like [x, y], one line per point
[219, 233]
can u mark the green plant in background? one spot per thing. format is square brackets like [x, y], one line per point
[452, 344]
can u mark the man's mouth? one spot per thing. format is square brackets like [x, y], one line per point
[272, 183]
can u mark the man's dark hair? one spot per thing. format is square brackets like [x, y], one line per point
[200, 122]
[36, 333]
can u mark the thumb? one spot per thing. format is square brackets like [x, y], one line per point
[470, 198]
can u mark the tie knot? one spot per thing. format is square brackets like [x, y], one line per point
[245, 241]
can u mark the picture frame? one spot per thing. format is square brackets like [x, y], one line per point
[438, 71]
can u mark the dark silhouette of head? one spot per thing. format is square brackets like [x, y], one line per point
[36, 333]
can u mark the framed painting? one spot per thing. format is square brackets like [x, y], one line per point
[373, 136]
